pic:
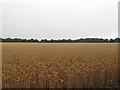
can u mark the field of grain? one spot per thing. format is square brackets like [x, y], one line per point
[64, 65]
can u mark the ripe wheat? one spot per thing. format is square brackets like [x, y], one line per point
[34, 65]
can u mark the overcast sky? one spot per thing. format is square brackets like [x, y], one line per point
[57, 19]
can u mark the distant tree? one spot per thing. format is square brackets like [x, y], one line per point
[101, 40]
[52, 40]
[117, 39]
[111, 40]
[44, 40]
[81, 40]
[36, 40]
[106, 40]
[69, 40]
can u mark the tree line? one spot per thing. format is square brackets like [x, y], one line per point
[81, 40]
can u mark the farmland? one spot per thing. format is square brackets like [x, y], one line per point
[59, 65]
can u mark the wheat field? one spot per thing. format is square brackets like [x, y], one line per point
[59, 65]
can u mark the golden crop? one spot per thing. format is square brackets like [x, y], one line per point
[60, 65]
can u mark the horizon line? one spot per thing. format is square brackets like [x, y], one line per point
[59, 38]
